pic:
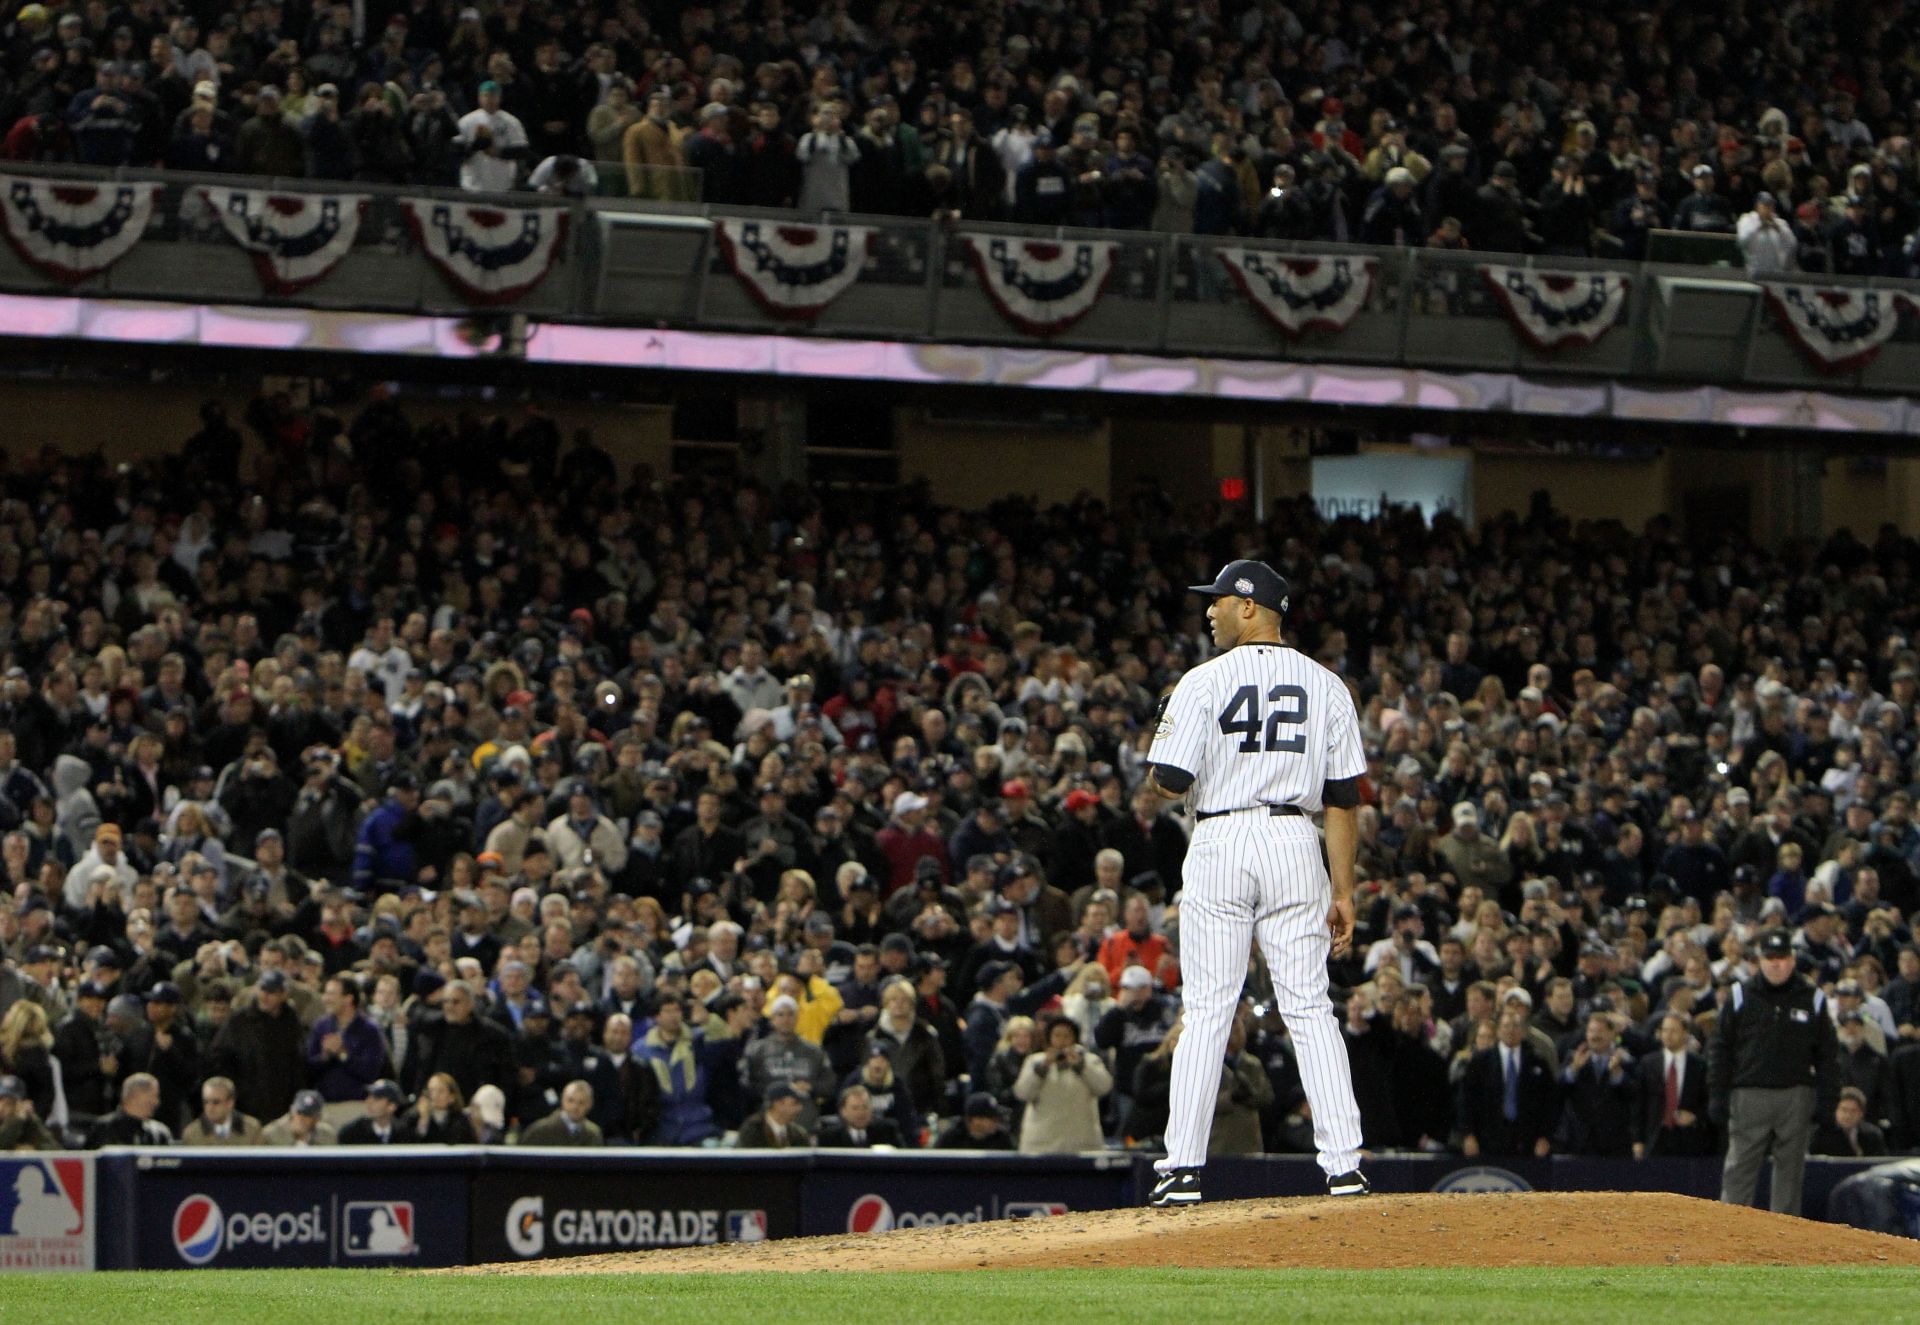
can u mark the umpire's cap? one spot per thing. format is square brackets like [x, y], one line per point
[1254, 580]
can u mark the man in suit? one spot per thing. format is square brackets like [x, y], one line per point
[1599, 1080]
[1509, 1100]
[856, 1128]
[1670, 1114]
[1849, 1133]
[567, 1125]
[777, 1126]
[626, 1090]
[384, 1101]
[220, 1123]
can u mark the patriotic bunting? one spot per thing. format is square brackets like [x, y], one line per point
[1042, 287]
[294, 239]
[794, 270]
[74, 231]
[1299, 295]
[1552, 309]
[1838, 329]
[492, 255]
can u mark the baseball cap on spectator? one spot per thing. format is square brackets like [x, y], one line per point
[1000, 906]
[990, 972]
[1020, 867]
[272, 982]
[1465, 813]
[1136, 977]
[102, 955]
[91, 989]
[784, 1003]
[491, 1103]
[165, 992]
[897, 943]
[1701, 171]
[1014, 790]
[982, 1105]
[12, 1088]
[485, 87]
[783, 1090]
[1080, 799]
[1776, 943]
[1505, 170]
[309, 1103]
[907, 802]
[387, 1090]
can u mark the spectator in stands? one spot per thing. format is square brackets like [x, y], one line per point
[262, 1048]
[467, 1049]
[856, 1127]
[1061, 1084]
[680, 1058]
[20, 1127]
[777, 1125]
[381, 1125]
[266, 143]
[1766, 240]
[1849, 1133]
[1510, 1102]
[979, 1127]
[440, 1114]
[133, 1123]
[492, 144]
[302, 1125]
[569, 1124]
[1670, 1117]
[220, 1122]
[345, 1051]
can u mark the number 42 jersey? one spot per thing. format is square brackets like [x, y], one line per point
[1262, 724]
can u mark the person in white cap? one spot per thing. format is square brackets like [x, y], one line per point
[1470, 855]
[908, 838]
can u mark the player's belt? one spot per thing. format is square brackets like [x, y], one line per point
[1275, 810]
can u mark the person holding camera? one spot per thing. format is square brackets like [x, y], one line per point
[1767, 242]
[1062, 1086]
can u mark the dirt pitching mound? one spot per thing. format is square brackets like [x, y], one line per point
[1371, 1232]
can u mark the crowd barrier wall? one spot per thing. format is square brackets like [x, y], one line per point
[419, 1206]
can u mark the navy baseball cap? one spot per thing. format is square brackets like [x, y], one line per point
[1253, 580]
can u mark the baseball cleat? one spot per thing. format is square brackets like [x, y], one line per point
[1177, 1187]
[1349, 1184]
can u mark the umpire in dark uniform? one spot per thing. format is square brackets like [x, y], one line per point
[1773, 1066]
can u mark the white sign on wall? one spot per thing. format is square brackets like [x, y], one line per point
[1356, 485]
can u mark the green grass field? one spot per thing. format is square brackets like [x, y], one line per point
[1136, 1297]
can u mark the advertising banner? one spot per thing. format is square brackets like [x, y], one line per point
[853, 1195]
[296, 1213]
[46, 1212]
[539, 1212]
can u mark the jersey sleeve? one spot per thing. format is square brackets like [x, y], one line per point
[1179, 739]
[1346, 758]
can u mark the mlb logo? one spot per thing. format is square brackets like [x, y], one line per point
[46, 1213]
[1032, 1209]
[377, 1228]
[42, 1198]
[746, 1226]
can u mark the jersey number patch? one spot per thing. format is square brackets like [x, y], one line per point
[1242, 717]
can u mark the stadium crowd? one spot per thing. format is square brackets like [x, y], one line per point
[1524, 127]
[368, 781]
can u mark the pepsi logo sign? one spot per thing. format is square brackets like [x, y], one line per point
[201, 1230]
[198, 1229]
[873, 1213]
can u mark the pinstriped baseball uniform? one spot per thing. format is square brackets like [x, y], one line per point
[1258, 726]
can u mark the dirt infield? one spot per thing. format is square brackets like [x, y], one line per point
[1373, 1232]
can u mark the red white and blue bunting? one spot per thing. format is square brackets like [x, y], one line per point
[1299, 295]
[492, 255]
[74, 231]
[794, 270]
[294, 239]
[1554, 309]
[1838, 329]
[1042, 287]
